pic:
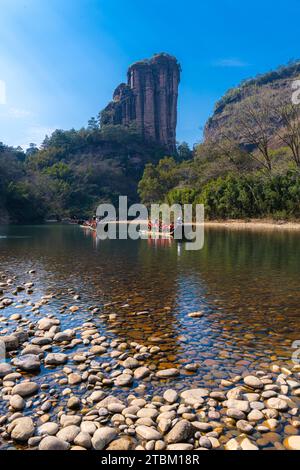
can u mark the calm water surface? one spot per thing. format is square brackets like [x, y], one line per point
[245, 282]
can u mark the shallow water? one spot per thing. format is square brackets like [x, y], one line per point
[245, 282]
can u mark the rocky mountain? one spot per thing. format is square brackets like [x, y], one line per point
[277, 83]
[148, 100]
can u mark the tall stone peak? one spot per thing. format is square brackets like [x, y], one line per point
[149, 100]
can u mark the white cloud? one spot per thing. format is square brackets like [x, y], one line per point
[16, 113]
[229, 62]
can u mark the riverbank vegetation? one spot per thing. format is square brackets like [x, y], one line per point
[249, 169]
[72, 173]
[234, 195]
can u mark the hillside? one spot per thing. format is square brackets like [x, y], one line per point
[277, 83]
[249, 162]
[247, 165]
[72, 173]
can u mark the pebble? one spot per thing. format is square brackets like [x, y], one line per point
[180, 446]
[28, 363]
[74, 403]
[238, 405]
[277, 404]
[258, 409]
[50, 429]
[292, 443]
[83, 439]
[253, 382]
[55, 359]
[53, 443]
[123, 380]
[103, 437]
[5, 369]
[171, 396]
[194, 396]
[181, 432]
[148, 434]
[243, 426]
[166, 373]
[141, 372]
[124, 443]
[17, 403]
[68, 433]
[22, 429]
[25, 389]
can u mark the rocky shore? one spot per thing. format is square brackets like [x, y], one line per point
[78, 389]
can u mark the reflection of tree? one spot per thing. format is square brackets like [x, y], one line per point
[146, 280]
[247, 282]
[253, 275]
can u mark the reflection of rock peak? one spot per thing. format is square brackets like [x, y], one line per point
[149, 99]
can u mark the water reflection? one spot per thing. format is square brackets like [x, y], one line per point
[246, 284]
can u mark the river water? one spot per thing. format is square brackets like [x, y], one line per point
[246, 283]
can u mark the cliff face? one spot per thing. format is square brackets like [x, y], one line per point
[279, 82]
[149, 99]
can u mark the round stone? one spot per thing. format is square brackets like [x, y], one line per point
[148, 434]
[194, 396]
[292, 443]
[141, 372]
[255, 415]
[171, 396]
[253, 382]
[167, 373]
[131, 363]
[124, 443]
[74, 379]
[244, 426]
[50, 429]
[68, 433]
[56, 359]
[17, 402]
[22, 429]
[235, 414]
[73, 403]
[123, 380]
[277, 404]
[28, 363]
[181, 432]
[5, 369]
[103, 437]
[53, 443]
[25, 389]
[83, 439]
[180, 446]
[88, 427]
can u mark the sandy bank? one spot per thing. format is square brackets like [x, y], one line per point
[254, 224]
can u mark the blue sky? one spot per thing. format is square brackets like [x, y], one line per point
[60, 60]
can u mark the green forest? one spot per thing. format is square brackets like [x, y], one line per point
[72, 173]
[249, 167]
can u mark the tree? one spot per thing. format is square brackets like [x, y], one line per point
[32, 149]
[158, 180]
[93, 124]
[288, 130]
[184, 152]
[251, 129]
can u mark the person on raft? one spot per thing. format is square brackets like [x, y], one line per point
[172, 229]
